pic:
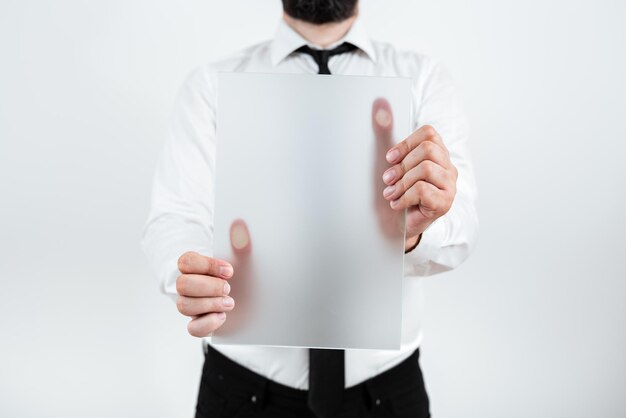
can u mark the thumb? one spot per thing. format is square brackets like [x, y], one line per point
[390, 221]
[382, 123]
[240, 237]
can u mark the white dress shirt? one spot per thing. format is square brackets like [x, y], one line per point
[181, 216]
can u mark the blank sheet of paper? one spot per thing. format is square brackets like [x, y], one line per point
[300, 160]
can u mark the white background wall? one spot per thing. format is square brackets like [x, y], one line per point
[534, 324]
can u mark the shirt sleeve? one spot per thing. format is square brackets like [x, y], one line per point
[449, 240]
[182, 194]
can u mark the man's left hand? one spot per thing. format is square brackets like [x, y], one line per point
[421, 180]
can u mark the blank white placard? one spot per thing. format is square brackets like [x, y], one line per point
[300, 161]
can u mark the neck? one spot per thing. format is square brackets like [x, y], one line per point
[320, 35]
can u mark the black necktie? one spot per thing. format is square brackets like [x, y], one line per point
[326, 366]
[326, 381]
[321, 56]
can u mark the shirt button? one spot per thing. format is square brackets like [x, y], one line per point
[253, 398]
[377, 402]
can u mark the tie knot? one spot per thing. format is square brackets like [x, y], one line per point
[321, 56]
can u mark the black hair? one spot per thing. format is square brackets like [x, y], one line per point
[320, 11]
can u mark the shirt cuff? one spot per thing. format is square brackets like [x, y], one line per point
[431, 242]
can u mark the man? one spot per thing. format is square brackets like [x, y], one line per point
[428, 173]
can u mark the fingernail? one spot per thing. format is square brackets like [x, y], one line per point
[383, 118]
[392, 155]
[226, 288]
[228, 301]
[221, 316]
[389, 175]
[226, 271]
[389, 190]
[239, 235]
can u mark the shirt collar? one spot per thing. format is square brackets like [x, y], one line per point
[288, 40]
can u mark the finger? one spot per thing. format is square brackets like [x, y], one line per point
[425, 133]
[424, 194]
[426, 151]
[204, 325]
[196, 285]
[428, 171]
[194, 263]
[240, 237]
[199, 306]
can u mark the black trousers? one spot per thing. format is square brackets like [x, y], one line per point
[230, 390]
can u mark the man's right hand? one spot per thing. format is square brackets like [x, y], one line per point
[203, 287]
[203, 292]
